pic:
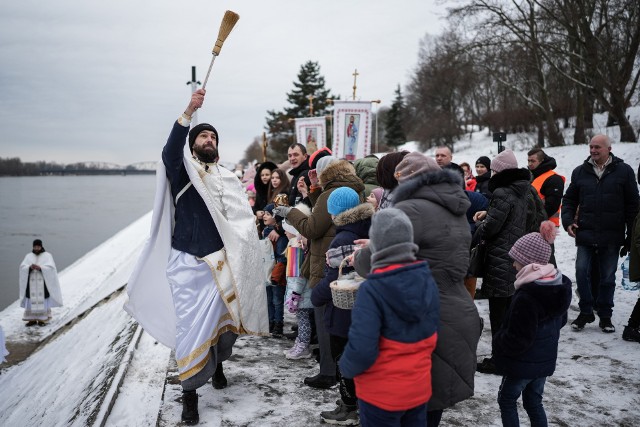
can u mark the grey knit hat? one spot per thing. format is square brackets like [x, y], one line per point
[389, 227]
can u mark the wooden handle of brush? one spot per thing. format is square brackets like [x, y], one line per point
[228, 22]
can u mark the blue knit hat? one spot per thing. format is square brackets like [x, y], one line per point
[269, 208]
[342, 199]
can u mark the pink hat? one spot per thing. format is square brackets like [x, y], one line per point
[413, 164]
[535, 248]
[377, 193]
[504, 160]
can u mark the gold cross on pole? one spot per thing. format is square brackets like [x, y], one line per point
[310, 98]
[355, 77]
[264, 146]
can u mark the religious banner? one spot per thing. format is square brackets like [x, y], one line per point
[351, 129]
[311, 132]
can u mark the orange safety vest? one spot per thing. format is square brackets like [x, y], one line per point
[537, 184]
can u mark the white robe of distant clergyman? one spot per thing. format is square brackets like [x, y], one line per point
[36, 306]
[3, 348]
[233, 273]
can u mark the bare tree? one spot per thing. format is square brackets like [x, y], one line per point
[435, 96]
[515, 25]
[604, 36]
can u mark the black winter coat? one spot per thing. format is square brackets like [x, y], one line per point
[482, 184]
[553, 186]
[526, 346]
[301, 171]
[506, 222]
[607, 205]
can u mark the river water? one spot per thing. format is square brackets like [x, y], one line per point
[70, 214]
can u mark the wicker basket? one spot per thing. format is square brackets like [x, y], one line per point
[345, 288]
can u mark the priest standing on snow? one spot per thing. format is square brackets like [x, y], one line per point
[39, 286]
[197, 283]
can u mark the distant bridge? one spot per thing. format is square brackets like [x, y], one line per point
[97, 172]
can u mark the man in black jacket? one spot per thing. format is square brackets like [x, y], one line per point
[604, 189]
[548, 184]
[297, 155]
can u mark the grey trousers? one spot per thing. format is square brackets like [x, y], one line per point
[327, 364]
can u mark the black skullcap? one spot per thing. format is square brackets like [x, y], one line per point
[484, 160]
[37, 242]
[195, 131]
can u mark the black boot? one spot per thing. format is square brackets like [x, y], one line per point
[277, 329]
[271, 325]
[487, 366]
[218, 380]
[190, 414]
[320, 381]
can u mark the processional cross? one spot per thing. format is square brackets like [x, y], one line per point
[355, 77]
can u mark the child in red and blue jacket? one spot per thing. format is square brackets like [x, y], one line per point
[393, 328]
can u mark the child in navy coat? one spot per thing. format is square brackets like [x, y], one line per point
[393, 328]
[526, 346]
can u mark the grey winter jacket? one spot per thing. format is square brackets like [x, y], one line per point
[436, 204]
[506, 222]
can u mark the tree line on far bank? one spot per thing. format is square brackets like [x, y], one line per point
[15, 167]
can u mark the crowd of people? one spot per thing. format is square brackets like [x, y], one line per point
[405, 351]
[414, 316]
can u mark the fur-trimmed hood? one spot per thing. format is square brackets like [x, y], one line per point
[508, 177]
[337, 174]
[443, 187]
[359, 213]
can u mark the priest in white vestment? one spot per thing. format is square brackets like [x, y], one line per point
[197, 284]
[39, 285]
[3, 347]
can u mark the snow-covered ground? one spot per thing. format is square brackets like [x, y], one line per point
[73, 377]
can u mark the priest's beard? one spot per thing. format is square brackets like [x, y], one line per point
[38, 252]
[206, 154]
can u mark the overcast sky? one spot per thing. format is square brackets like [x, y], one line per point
[104, 81]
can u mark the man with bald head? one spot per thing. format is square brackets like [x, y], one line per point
[443, 156]
[605, 191]
[443, 159]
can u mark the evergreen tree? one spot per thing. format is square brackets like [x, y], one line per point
[394, 134]
[280, 124]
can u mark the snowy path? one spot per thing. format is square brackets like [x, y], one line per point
[65, 382]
